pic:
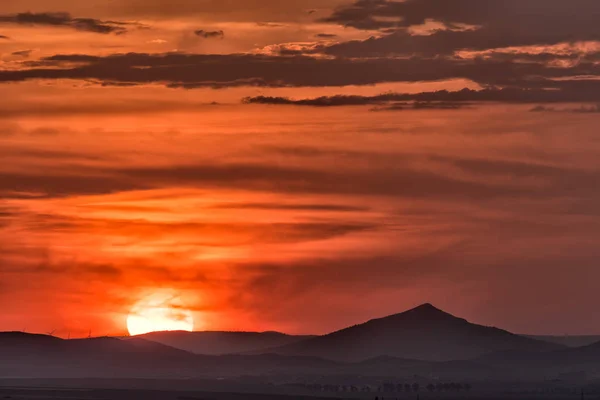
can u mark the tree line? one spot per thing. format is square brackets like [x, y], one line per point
[391, 387]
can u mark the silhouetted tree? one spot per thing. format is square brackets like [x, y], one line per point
[407, 387]
[415, 387]
[430, 387]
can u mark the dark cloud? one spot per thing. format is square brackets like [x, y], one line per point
[468, 25]
[421, 105]
[326, 35]
[569, 92]
[574, 20]
[66, 20]
[403, 43]
[591, 109]
[2, 37]
[221, 10]
[22, 53]
[180, 70]
[210, 34]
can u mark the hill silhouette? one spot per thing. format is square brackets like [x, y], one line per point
[568, 340]
[27, 355]
[423, 333]
[220, 343]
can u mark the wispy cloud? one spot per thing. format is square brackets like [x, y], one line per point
[66, 20]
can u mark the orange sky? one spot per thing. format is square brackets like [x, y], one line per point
[116, 183]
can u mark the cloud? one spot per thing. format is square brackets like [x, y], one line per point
[404, 180]
[210, 34]
[45, 131]
[2, 37]
[216, 10]
[464, 25]
[270, 24]
[419, 105]
[569, 18]
[402, 43]
[592, 109]
[201, 233]
[179, 70]
[326, 35]
[573, 92]
[66, 20]
[289, 207]
[22, 53]
[63, 185]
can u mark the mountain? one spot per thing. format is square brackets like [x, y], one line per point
[219, 343]
[423, 333]
[567, 340]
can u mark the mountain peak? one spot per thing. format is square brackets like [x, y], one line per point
[428, 311]
[422, 333]
[427, 307]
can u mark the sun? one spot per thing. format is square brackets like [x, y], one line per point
[159, 312]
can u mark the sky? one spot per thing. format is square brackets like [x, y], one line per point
[299, 166]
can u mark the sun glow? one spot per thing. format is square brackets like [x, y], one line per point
[159, 312]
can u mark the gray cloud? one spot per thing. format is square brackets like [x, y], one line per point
[570, 18]
[440, 43]
[22, 53]
[423, 105]
[210, 34]
[567, 92]
[326, 35]
[66, 20]
[584, 109]
[180, 70]
[469, 24]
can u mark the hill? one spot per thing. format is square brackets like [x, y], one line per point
[220, 343]
[567, 340]
[41, 356]
[423, 333]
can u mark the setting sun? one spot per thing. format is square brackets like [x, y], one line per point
[159, 312]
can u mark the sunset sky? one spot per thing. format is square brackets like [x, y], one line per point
[299, 165]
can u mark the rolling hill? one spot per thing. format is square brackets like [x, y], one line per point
[220, 343]
[568, 340]
[41, 356]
